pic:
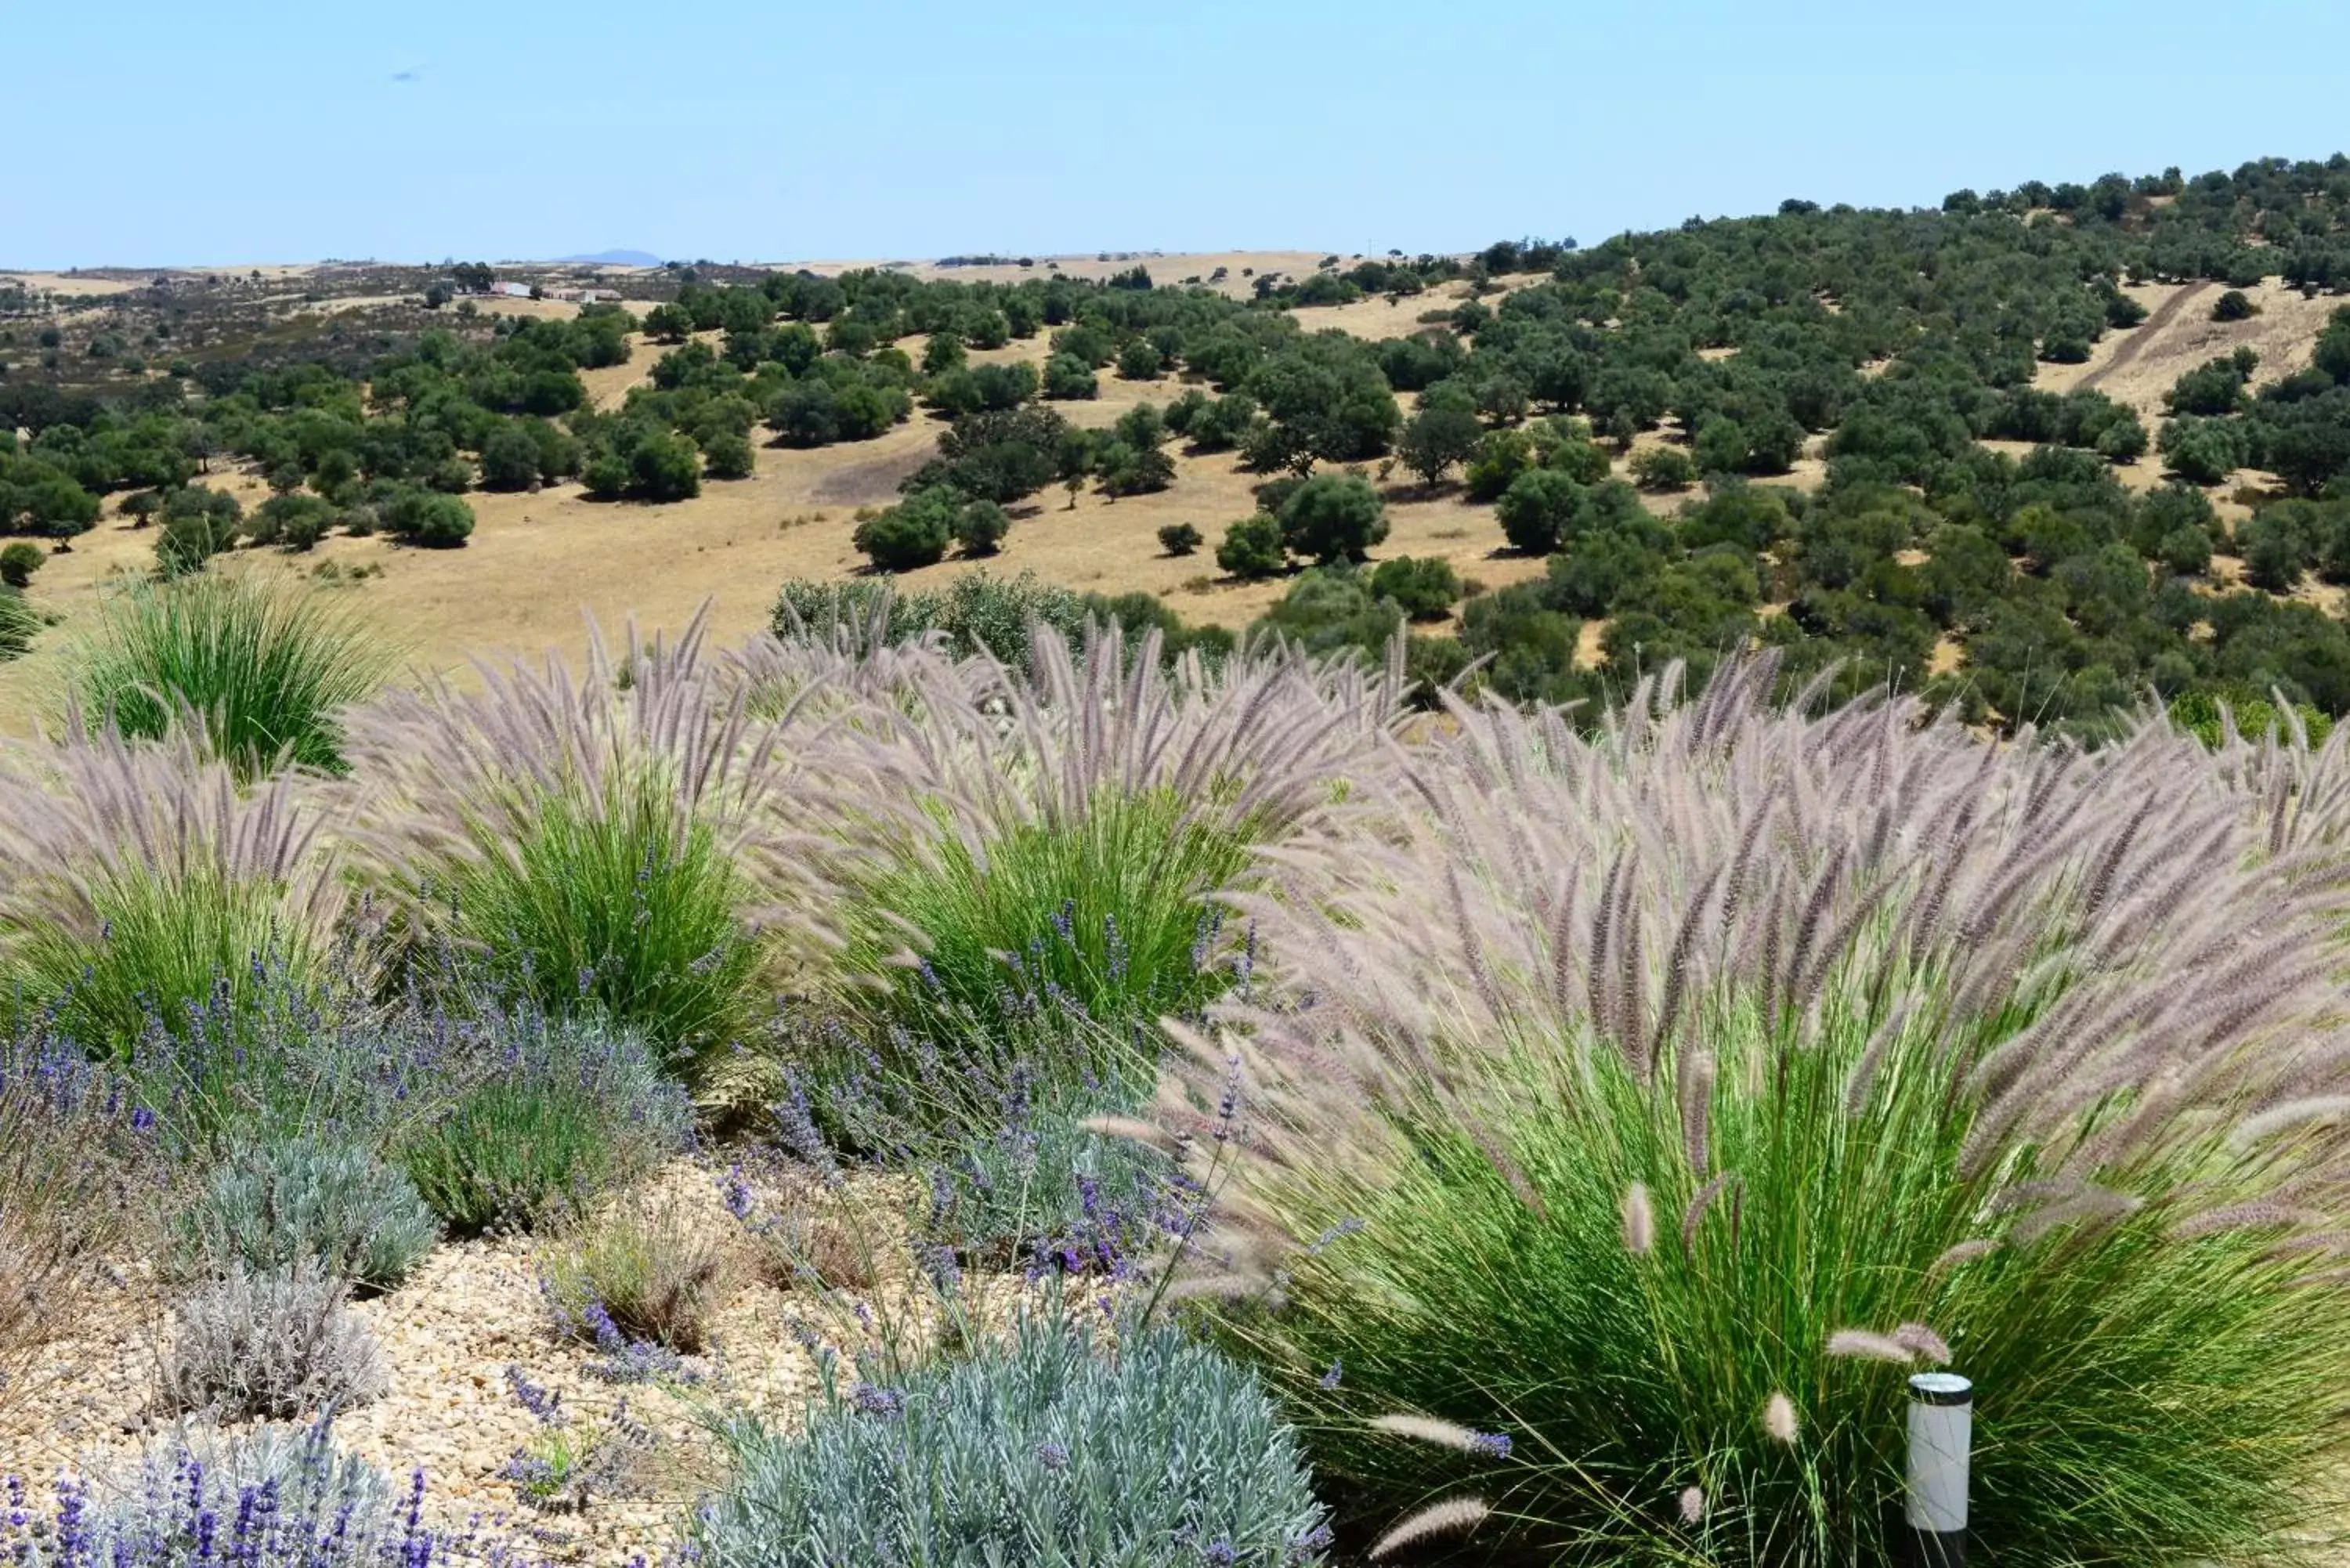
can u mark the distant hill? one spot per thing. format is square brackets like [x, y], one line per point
[615, 258]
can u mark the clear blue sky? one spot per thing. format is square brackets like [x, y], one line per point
[194, 131]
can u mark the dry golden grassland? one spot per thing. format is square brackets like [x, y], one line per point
[537, 563]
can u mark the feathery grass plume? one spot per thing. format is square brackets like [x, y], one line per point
[1640, 1220]
[262, 666]
[1923, 1342]
[138, 886]
[2067, 1084]
[606, 845]
[1442, 1434]
[1017, 843]
[1448, 1518]
[1861, 1344]
[1692, 1503]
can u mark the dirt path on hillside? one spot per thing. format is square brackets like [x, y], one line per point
[2135, 344]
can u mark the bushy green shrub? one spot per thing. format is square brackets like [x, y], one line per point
[564, 1112]
[1252, 548]
[267, 664]
[913, 534]
[2200, 714]
[1050, 1450]
[1179, 538]
[1333, 517]
[978, 612]
[19, 561]
[1663, 468]
[1424, 589]
[270, 1206]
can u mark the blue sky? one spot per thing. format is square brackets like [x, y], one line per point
[228, 131]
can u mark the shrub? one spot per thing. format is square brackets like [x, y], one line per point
[1333, 517]
[914, 533]
[1538, 509]
[980, 528]
[1047, 1450]
[1179, 538]
[1425, 589]
[1252, 548]
[19, 561]
[426, 518]
[280, 1346]
[270, 1206]
[1068, 376]
[646, 1267]
[266, 665]
[727, 455]
[566, 1112]
[1663, 468]
[1768, 1105]
[2235, 305]
[199, 523]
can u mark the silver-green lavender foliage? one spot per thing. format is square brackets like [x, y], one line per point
[271, 1205]
[1052, 1450]
[271, 1497]
[282, 1346]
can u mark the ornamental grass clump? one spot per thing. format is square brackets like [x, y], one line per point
[600, 847]
[1650, 1103]
[140, 885]
[645, 1267]
[260, 667]
[1054, 1449]
[1015, 845]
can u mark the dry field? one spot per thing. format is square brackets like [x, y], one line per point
[538, 563]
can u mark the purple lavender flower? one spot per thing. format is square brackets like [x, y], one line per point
[740, 1201]
[884, 1403]
[543, 1403]
[1491, 1445]
[1053, 1456]
[1337, 1370]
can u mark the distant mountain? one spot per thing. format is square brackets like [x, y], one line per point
[615, 258]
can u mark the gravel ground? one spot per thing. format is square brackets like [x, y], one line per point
[448, 1336]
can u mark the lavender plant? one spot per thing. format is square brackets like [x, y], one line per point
[281, 1347]
[72, 1148]
[1655, 1100]
[269, 1497]
[562, 1111]
[270, 1205]
[1056, 1448]
[643, 1266]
